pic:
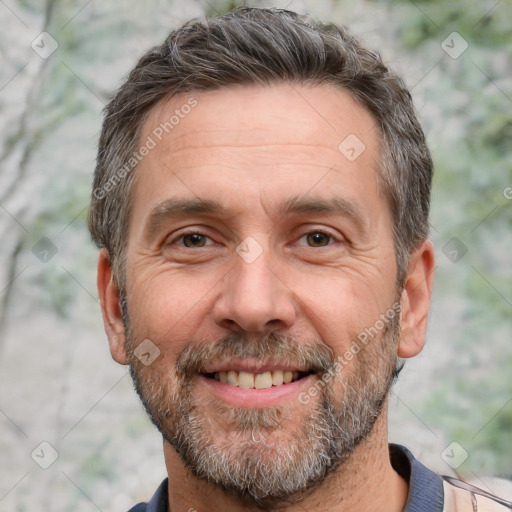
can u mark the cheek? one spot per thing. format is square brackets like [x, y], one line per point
[340, 306]
[168, 307]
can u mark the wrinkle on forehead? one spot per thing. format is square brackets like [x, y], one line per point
[305, 110]
[248, 146]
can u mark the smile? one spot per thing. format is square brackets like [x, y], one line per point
[254, 383]
[248, 380]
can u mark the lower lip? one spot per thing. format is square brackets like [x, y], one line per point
[273, 396]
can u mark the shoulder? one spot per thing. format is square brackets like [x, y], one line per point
[158, 503]
[485, 495]
[141, 507]
[436, 493]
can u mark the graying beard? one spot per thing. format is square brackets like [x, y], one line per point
[328, 436]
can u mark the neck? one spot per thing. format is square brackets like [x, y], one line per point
[366, 481]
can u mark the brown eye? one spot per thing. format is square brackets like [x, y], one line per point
[318, 239]
[194, 240]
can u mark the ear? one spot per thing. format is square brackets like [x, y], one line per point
[110, 308]
[416, 300]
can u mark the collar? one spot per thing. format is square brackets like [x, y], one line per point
[158, 503]
[425, 487]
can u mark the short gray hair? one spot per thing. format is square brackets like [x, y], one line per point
[252, 46]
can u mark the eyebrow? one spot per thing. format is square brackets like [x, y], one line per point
[183, 207]
[331, 206]
[178, 208]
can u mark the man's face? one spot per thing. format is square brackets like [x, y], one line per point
[257, 247]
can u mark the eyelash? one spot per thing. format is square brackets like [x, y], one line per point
[189, 233]
[331, 237]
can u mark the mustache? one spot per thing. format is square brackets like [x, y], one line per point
[272, 347]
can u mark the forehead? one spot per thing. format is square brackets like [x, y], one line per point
[230, 114]
[258, 138]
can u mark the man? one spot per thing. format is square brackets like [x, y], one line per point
[261, 204]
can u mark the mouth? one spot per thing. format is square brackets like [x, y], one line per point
[252, 382]
[261, 380]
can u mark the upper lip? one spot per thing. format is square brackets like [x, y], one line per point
[249, 366]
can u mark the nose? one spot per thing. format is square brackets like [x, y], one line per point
[254, 297]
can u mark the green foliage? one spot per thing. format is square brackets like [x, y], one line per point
[468, 110]
[478, 22]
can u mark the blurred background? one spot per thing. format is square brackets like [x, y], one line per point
[73, 435]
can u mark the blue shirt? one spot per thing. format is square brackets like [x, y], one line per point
[425, 486]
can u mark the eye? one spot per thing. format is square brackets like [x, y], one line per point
[318, 239]
[193, 240]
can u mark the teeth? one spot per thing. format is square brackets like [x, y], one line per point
[246, 380]
[233, 378]
[277, 377]
[263, 380]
